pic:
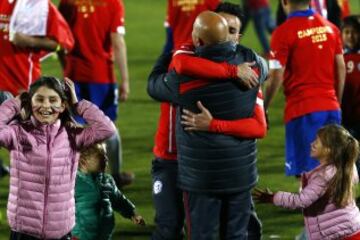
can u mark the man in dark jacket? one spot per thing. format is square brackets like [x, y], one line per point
[216, 171]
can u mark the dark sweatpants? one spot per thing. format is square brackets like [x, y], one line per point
[168, 202]
[211, 215]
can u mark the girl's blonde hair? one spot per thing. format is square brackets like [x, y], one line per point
[343, 153]
[95, 149]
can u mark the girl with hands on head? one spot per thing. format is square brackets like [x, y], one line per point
[70, 87]
[44, 148]
[327, 196]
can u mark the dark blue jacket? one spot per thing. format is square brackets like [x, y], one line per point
[208, 162]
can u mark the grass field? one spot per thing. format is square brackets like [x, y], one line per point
[138, 121]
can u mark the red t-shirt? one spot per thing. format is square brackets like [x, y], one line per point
[92, 23]
[351, 97]
[19, 67]
[306, 46]
[181, 16]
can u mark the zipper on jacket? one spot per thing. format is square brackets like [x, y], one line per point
[47, 179]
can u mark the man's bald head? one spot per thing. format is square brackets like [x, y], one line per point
[209, 28]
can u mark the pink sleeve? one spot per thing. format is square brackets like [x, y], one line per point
[254, 127]
[315, 189]
[58, 29]
[118, 18]
[8, 110]
[99, 127]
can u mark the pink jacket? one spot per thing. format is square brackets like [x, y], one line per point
[43, 165]
[322, 219]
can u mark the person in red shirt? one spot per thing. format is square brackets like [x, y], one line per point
[306, 58]
[350, 106]
[20, 58]
[98, 28]
[180, 18]
[333, 10]
[351, 103]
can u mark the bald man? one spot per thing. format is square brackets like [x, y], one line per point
[216, 171]
[186, 63]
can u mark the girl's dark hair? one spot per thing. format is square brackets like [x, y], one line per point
[343, 153]
[51, 83]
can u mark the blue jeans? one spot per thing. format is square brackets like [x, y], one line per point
[264, 24]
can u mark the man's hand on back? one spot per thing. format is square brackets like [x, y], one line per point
[247, 77]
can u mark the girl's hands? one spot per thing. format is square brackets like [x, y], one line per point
[196, 121]
[138, 220]
[263, 195]
[71, 88]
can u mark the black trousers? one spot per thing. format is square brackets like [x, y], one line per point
[23, 236]
[168, 202]
[213, 216]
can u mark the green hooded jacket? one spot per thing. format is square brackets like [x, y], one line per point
[96, 198]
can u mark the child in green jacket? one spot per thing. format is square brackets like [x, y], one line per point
[96, 198]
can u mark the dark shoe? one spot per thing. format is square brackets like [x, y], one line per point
[4, 170]
[123, 179]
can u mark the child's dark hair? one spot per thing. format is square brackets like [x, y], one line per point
[351, 21]
[343, 153]
[98, 149]
[51, 83]
[230, 8]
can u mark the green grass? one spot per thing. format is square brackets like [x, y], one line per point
[138, 120]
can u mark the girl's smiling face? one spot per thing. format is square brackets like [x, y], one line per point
[46, 105]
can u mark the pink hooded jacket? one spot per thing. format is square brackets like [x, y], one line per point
[323, 220]
[43, 165]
